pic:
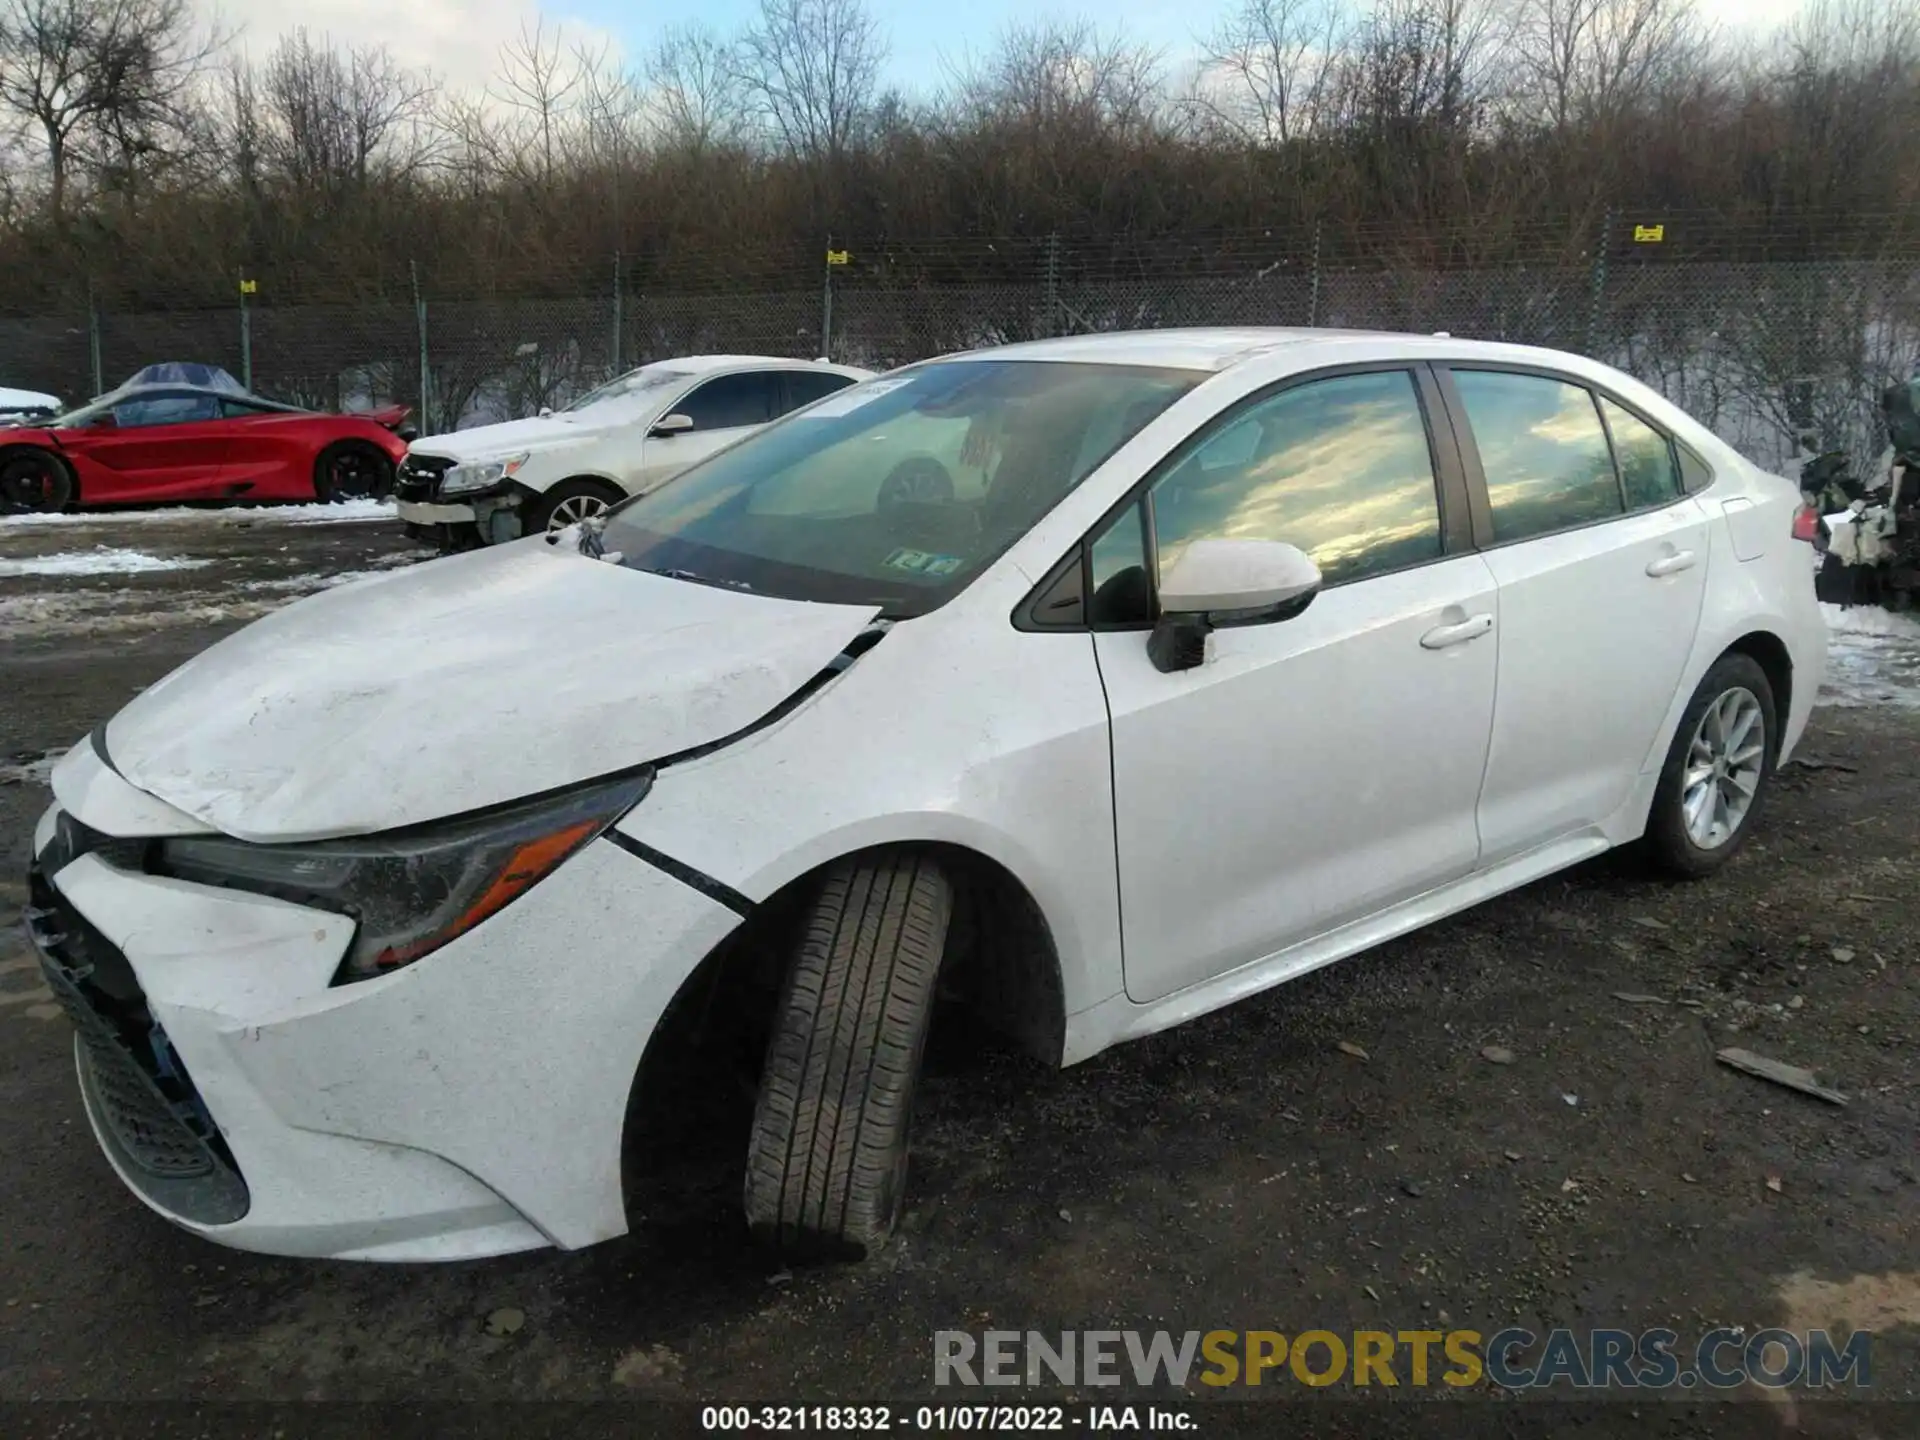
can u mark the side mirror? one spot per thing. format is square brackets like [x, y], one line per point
[545, 411]
[672, 424]
[104, 421]
[1220, 584]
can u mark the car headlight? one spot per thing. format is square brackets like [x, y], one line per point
[412, 890]
[479, 474]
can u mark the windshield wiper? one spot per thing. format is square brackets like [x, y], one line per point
[689, 576]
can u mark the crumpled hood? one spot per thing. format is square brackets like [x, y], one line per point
[511, 437]
[458, 684]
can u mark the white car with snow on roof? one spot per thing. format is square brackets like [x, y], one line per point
[494, 483]
[381, 921]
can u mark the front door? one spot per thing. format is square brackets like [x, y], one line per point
[160, 446]
[722, 409]
[1320, 769]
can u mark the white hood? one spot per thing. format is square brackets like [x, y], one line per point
[512, 437]
[458, 684]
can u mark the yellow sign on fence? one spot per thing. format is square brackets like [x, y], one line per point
[837, 257]
[249, 287]
[1649, 234]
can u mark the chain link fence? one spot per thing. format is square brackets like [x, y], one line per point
[1774, 355]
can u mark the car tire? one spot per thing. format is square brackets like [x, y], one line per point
[1708, 765]
[351, 470]
[827, 1161]
[34, 482]
[571, 500]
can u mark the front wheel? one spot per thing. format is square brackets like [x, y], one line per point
[1717, 771]
[34, 482]
[827, 1162]
[567, 503]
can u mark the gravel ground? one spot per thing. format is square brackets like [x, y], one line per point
[1246, 1171]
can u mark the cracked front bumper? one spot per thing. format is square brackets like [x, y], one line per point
[471, 1104]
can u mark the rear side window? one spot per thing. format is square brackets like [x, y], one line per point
[182, 409]
[1543, 451]
[1645, 458]
[731, 400]
[1695, 473]
[806, 386]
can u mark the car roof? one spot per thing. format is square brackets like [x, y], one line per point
[702, 364]
[1223, 348]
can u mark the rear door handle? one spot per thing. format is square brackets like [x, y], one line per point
[1471, 628]
[1671, 564]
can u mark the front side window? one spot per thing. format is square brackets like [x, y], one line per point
[165, 410]
[1543, 451]
[1646, 460]
[730, 401]
[896, 492]
[1340, 467]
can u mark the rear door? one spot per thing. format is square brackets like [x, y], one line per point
[1601, 560]
[162, 445]
[722, 409]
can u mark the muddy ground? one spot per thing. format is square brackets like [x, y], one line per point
[1243, 1172]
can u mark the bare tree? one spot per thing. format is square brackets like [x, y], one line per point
[98, 81]
[1264, 68]
[812, 67]
[696, 88]
[1588, 60]
[538, 79]
[340, 118]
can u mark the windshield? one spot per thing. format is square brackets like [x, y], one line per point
[635, 382]
[896, 492]
[84, 416]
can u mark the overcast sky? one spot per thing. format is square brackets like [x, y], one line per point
[460, 40]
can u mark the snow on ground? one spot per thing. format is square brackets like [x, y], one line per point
[30, 769]
[101, 560]
[341, 513]
[1873, 658]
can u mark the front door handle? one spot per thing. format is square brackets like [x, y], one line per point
[1671, 564]
[1471, 628]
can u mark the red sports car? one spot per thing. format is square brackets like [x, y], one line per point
[153, 443]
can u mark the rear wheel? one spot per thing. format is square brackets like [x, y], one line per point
[33, 481]
[1717, 771]
[827, 1161]
[352, 470]
[566, 504]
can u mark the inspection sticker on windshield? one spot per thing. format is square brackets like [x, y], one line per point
[921, 563]
[851, 399]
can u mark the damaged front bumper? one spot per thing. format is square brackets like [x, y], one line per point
[494, 516]
[469, 1105]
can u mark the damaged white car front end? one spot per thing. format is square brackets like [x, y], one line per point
[191, 894]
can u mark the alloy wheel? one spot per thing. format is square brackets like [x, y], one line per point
[574, 509]
[1725, 763]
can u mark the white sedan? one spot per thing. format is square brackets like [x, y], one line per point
[380, 920]
[495, 483]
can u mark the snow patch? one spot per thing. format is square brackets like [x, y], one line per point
[30, 769]
[344, 512]
[1873, 658]
[101, 560]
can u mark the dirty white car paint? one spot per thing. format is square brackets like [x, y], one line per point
[1409, 743]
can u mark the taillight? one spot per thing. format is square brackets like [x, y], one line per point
[1806, 523]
